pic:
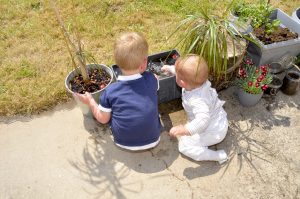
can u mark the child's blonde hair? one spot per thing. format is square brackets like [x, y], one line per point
[130, 50]
[192, 69]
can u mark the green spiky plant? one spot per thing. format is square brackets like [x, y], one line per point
[209, 35]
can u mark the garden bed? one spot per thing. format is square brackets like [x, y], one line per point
[278, 35]
[262, 53]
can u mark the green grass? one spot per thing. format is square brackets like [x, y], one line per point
[34, 61]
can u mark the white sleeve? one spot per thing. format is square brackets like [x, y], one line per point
[202, 117]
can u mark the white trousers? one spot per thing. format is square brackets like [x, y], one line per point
[196, 146]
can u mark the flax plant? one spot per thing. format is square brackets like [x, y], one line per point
[208, 34]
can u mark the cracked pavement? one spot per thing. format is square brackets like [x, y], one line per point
[62, 154]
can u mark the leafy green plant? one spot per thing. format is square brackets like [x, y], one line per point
[259, 14]
[209, 35]
[253, 79]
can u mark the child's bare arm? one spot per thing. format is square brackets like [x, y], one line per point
[101, 116]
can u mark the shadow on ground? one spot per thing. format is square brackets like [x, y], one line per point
[103, 161]
[239, 142]
[242, 141]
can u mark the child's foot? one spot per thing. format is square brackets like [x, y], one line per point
[223, 157]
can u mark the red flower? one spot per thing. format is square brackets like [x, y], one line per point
[261, 77]
[241, 72]
[257, 70]
[248, 61]
[264, 87]
[175, 56]
[249, 83]
[257, 84]
[264, 68]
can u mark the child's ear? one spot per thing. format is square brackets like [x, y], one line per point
[183, 83]
[143, 66]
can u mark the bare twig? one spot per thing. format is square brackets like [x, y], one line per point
[70, 44]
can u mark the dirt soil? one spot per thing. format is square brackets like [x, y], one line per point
[99, 79]
[62, 154]
[280, 34]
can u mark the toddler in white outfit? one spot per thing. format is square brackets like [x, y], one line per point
[207, 121]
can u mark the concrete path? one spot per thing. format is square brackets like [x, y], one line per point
[61, 154]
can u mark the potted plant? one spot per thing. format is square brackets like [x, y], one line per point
[275, 32]
[252, 81]
[210, 35]
[88, 77]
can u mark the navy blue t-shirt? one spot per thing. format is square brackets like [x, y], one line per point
[134, 119]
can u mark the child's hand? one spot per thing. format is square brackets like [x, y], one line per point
[179, 130]
[168, 69]
[165, 69]
[85, 98]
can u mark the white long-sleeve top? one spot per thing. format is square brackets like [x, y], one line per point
[202, 106]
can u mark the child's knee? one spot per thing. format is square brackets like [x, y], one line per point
[221, 136]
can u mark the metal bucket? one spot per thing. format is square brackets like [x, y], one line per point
[96, 95]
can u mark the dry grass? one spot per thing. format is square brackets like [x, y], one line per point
[34, 61]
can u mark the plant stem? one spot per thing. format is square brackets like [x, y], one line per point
[69, 43]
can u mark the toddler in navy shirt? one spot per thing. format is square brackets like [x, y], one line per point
[130, 104]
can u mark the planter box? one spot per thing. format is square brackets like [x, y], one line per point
[265, 54]
[168, 89]
[96, 95]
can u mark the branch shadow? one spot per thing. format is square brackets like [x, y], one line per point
[105, 166]
[244, 140]
[205, 168]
